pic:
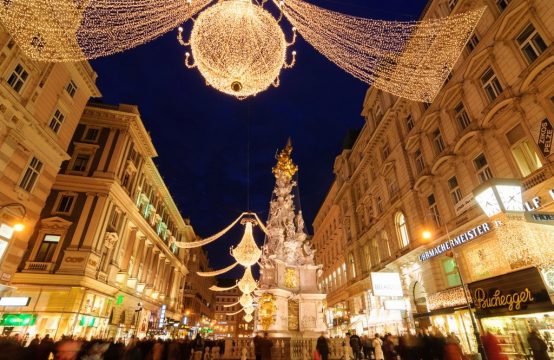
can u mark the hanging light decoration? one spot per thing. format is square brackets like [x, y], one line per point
[248, 317]
[247, 253]
[246, 300]
[247, 284]
[238, 47]
[248, 310]
[75, 30]
[409, 59]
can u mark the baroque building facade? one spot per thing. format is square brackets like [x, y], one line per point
[405, 192]
[101, 260]
[40, 107]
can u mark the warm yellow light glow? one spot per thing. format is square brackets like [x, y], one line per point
[246, 300]
[426, 234]
[70, 30]
[247, 284]
[248, 318]
[238, 47]
[247, 253]
[408, 59]
[19, 227]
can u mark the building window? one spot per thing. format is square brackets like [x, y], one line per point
[402, 229]
[523, 152]
[438, 142]
[531, 43]
[376, 252]
[502, 4]
[31, 175]
[367, 256]
[461, 116]
[114, 220]
[455, 191]
[385, 151]
[65, 203]
[451, 273]
[56, 121]
[484, 172]
[378, 114]
[385, 239]
[91, 134]
[352, 266]
[490, 83]
[434, 209]
[81, 162]
[379, 204]
[418, 158]
[71, 88]
[18, 78]
[392, 185]
[410, 122]
[472, 43]
[47, 248]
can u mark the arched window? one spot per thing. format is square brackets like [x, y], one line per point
[402, 230]
[352, 266]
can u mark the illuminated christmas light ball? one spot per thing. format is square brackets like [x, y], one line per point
[238, 47]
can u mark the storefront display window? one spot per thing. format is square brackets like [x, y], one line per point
[452, 275]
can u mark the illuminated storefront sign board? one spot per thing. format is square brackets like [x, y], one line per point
[15, 301]
[394, 304]
[457, 241]
[162, 316]
[18, 320]
[513, 293]
[386, 284]
[88, 321]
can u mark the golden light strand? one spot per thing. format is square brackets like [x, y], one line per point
[76, 30]
[408, 59]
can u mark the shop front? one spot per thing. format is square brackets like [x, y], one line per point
[510, 306]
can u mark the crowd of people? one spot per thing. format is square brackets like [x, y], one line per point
[423, 346]
[68, 348]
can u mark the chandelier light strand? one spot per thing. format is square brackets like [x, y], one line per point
[408, 59]
[70, 30]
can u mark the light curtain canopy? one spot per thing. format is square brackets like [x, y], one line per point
[76, 30]
[408, 59]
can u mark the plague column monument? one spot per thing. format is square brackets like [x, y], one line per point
[290, 305]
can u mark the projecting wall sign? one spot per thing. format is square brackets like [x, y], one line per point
[457, 241]
[546, 133]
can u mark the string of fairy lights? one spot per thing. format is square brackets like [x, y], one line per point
[408, 59]
[70, 31]
[239, 47]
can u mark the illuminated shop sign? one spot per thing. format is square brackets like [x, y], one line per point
[457, 241]
[386, 284]
[15, 301]
[18, 320]
[394, 304]
[162, 316]
[515, 292]
[87, 321]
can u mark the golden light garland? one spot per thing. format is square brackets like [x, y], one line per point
[249, 310]
[247, 253]
[248, 317]
[75, 30]
[408, 59]
[246, 300]
[238, 47]
[446, 299]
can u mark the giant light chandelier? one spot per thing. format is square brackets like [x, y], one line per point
[239, 47]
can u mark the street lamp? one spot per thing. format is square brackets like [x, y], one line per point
[18, 226]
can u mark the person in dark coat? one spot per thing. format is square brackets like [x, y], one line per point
[258, 346]
[356, 345]
[46, 348]
[322, 347]
[538, 346]
[266, 345]
[388, 348]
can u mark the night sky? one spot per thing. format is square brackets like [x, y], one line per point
[202, 136]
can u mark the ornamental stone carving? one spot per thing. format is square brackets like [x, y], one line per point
[110, 238]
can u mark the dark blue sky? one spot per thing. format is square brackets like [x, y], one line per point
[202, 135]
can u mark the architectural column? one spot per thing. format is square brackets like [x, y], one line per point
[98, 217]
[129, 248]
[122, 139]
[146, 263]
[79, 229]
[152, 268]
[141, 243]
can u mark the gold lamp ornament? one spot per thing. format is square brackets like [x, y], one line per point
[248, 317]
[247, 284]
[247, 253]
[238, 47]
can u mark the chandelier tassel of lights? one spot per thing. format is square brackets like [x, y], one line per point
[217, 272]
[218, 288]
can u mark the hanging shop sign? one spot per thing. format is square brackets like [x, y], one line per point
[518, 292]
[457, 241]
[14, 301]
[18, 320]
[386, 284]
[546, 133]
[162, 316]
[466, 203]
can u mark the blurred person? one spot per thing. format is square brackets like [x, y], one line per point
[257, 346]
[356, 345]
[266, 345]
[322, 347]
[538, 345]
[378, 347]
[198, 346]
[492, 347]
[366, 347]
[452, 348]
[388, 348]
[45, 348]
